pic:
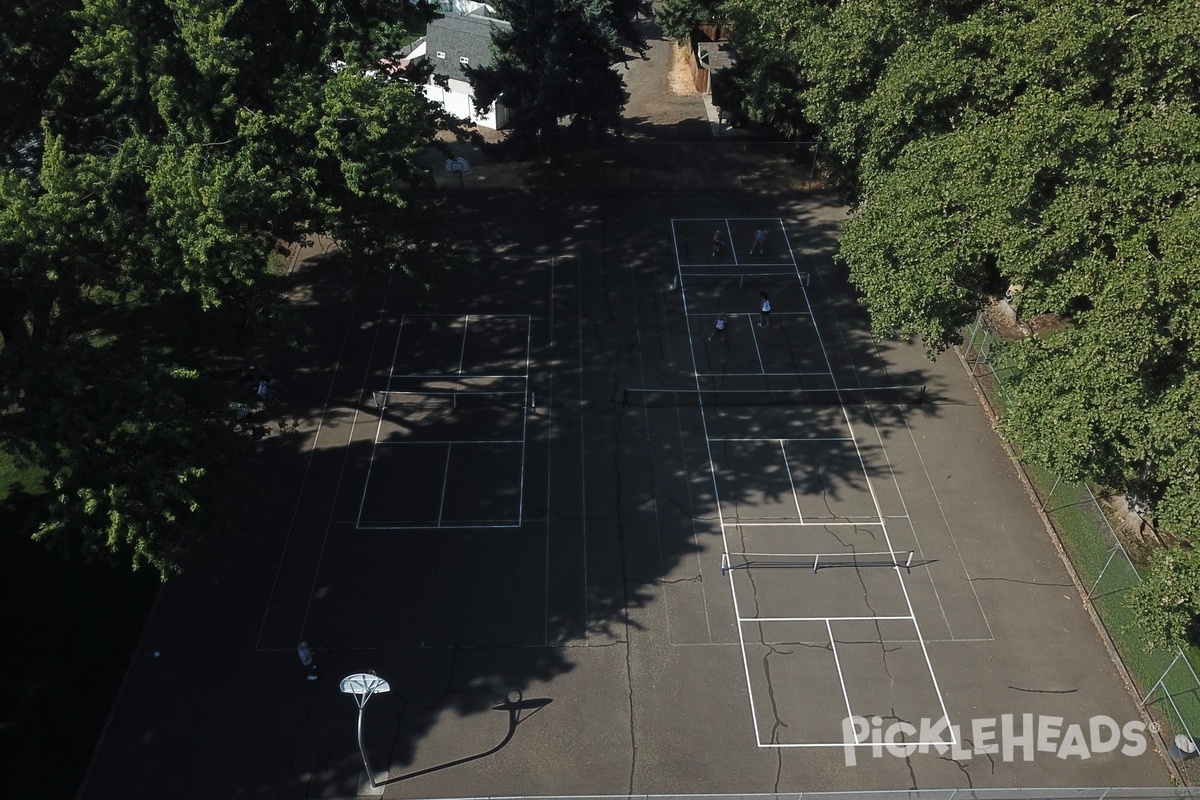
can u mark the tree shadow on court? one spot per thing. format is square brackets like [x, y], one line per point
[424, 543]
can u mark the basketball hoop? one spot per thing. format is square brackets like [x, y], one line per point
[364, 686]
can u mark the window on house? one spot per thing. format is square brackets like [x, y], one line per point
[440, 54]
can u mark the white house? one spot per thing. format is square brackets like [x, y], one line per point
[453, 43]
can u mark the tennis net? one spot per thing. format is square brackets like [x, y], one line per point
[862, 395]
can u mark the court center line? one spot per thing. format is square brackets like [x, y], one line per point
[445, 483]
[837, 661]
[791, 480]
[462, 352]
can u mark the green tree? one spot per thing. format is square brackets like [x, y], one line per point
[177, 143]
[766, 85]
[554, 67]
[1166, 604]
[680, 18]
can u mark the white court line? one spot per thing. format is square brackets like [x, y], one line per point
[549, 465]
[379, 425]
[941, 511]
[729, 242]
[791, 479]
[817, 439]
[425, 526]
[462, 351]
[583, 483]
[434, 376]
[389, 443]
[451, 315]
[900, 617]
[783, 523]
[874, 498]
[904, 588]
[837, 662]
[525, 407]
[312, 451]
[727, 219]
[759, 374]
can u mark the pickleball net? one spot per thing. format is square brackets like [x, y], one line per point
[848, 396]
[818, 561]
[451, 400]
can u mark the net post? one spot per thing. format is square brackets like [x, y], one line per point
[724, 563]
[533, 399]
[908, 563]
[625, 398]
[921, 396]
[816, 561]
[375, 399]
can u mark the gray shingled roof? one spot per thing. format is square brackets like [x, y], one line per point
[460, 37]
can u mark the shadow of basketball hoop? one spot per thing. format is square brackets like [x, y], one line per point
[515, 704]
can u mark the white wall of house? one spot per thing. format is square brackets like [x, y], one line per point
[458, 102]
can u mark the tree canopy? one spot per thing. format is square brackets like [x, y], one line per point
[553, 69]
[162, 152]
[1050, 149]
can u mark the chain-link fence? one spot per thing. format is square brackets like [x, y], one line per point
[1166, 679]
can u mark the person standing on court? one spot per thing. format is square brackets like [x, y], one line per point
[307, 660]
[720, 329]
[718, 242]
[760, 239]
[764, 312]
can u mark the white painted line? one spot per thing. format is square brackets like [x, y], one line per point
[805, 441]
[791, 479]
[837, 662]
[312, 451]
[900, 617]
[899, 575]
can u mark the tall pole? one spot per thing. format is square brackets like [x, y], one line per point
[363, 687]
[361, 748]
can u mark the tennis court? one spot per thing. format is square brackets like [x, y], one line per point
[595, 553]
